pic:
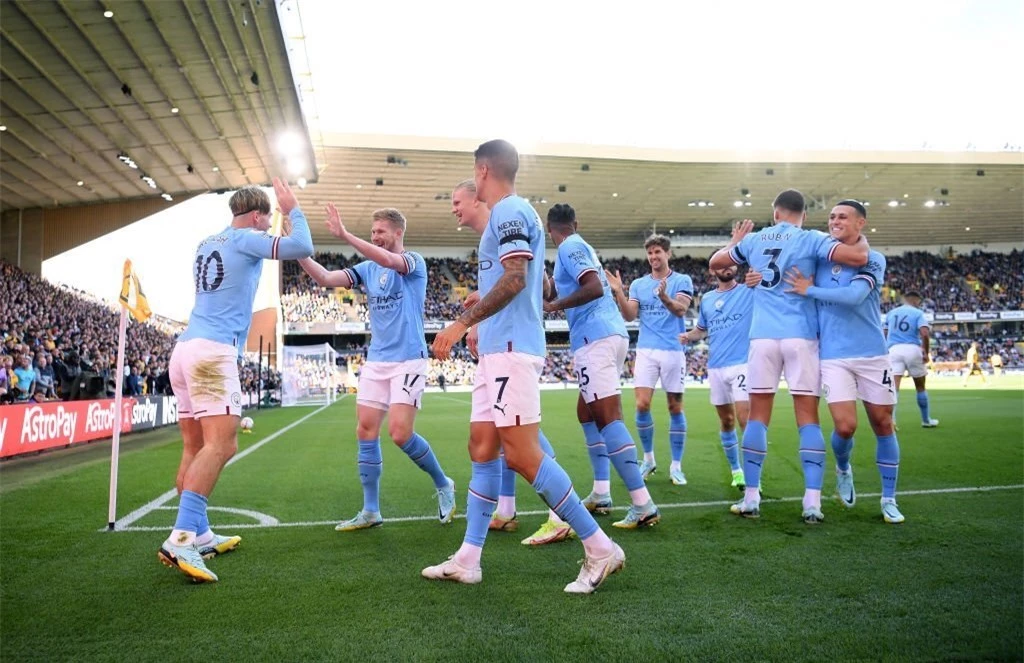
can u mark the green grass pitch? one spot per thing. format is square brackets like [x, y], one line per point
[702, 585]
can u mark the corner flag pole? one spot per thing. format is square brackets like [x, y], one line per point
[137, 303]
[115, 447]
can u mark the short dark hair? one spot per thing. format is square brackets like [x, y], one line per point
[912, 293]
[790, 200]
[561, 214]
[658, 240]
[855, 204]
[501, 157]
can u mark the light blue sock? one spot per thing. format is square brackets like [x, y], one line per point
[555, 488]
[483, 497]
[191, 512]
[812, 455]
[924, 406]
[842, 447]
[598, 451]
[371, 466]
[204, 524]
[508, 478]
[677, 435]
[755, 450]
[888, 459]
[622, 452]
[419, 451]
[645, 429]
[731, 447]
[545, 446]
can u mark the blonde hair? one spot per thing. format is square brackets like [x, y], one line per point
[468, 185]
[249, 199]
[392, 215]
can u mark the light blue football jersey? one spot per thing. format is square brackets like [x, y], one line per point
[226, 270]
[596, 319]
[396, 307]
[772, 251]
[513, 231]
[904, 323]
[659, 328]
[725, 316]
[851, 331]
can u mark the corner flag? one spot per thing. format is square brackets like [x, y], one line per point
[131, 299]
[139, 305]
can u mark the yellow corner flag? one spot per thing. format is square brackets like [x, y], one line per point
[139, 305]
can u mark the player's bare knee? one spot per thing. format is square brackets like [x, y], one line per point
[366, 431]
[846, 428]
[728, 422]
[400, 432]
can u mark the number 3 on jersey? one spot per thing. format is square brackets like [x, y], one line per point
[202, 275]
[776, 273]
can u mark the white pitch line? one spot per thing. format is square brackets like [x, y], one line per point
[676, 505]
[124, 522]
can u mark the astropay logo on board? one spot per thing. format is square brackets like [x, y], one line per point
[100, 418]
[38, 426]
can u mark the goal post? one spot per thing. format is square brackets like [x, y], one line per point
[310, 375]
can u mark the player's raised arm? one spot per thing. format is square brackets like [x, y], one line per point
[679, 302]
[852, 255]
[590, 289]
[629, 307]
[731, 253]
[381, 256]
[338, 278]
[296, 243]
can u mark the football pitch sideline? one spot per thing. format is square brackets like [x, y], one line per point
[702, 585]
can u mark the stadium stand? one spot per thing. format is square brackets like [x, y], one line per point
[978, 281]
[58, 338]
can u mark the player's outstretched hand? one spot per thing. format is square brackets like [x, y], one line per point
[334, 224]
[752, 279]
[473, 342]
[800, 283]
[741, 229]
[548, 308]
[470, 302]
[446, 338]
[286, 201]
[614, 280]
[684, 338]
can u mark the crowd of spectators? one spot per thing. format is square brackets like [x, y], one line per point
[976, 281]
[59, 342]
[971, 282]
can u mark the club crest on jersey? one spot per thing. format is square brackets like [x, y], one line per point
[836, 269]
[383, 281]
[719, 304]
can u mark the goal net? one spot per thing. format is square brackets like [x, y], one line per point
[310, 375]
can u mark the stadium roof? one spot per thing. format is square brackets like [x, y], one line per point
[192, 93]
[622, 194]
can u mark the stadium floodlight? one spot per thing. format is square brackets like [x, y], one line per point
[289, 144]
[894, 203]
[929, 203]
[737, 203]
